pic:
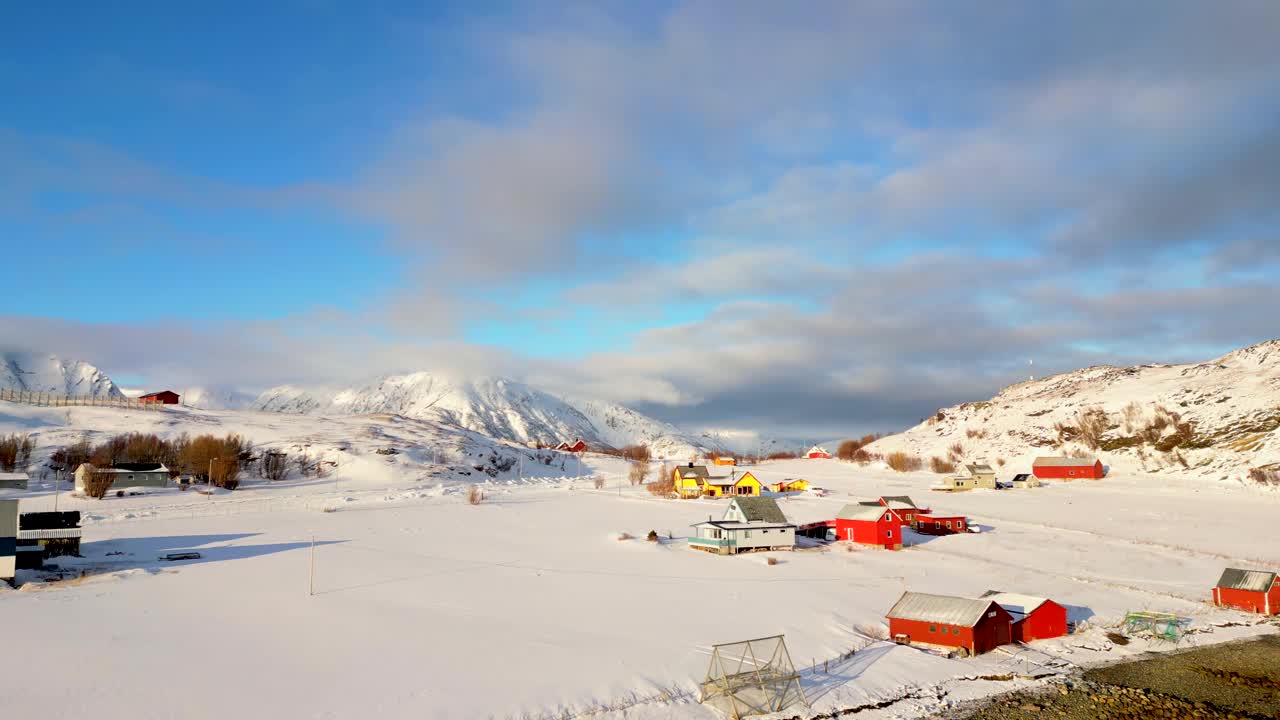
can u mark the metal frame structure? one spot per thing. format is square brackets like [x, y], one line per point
[752, 677]
[1160, 625]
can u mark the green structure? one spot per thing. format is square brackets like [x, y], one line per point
[1162, 626]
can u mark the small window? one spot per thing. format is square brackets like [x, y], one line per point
[948, 524]
[959, 524]
[991, 614]
[933, 628]
[955, 631]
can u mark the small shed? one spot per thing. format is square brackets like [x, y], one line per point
[1025, 480]
[13, 481]
[817, 452]
[1033, 618]
[941, 524]
[725, 460]
[1256, 591]
[975, 626]
[871, 524]
[127, 475]
[1067, 468]
[984, 476]
[957, 483]
[163, 397]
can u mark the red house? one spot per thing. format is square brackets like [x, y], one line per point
[903, 505]
[818, 453]
[1064, 468]
[164, 397]
[870, 525]
[577, 446]
[1255, 591]
[1034, 618]
[941, 524]
[975, 626]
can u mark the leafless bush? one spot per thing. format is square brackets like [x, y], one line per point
[475, 495]
[664, 486]
[955, 451]
[598, 482]
[275, 466]
[98, 482]
[1265, 476]
[874, 631]
[1132, 413]
[625, 536]
[999, 462]
[639, 472]
[848, 449]
[864, 457]
[940, 465]
[72, 456]
[630, 452]
[9, 450]
[1091, 425]
[903, 462]
[973, 433]
[781, 455]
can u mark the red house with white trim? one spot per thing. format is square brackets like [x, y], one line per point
[1065, 468]
[163, 397]
[870, 525]
[818, 453]
[903, 505]
[941, 524]
[976, 626]
[1033, 618]
[577, 446]
[1256, 591]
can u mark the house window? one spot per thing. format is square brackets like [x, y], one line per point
[959, 524]
[933, 628]
[888, 533]
[948, 524]
[746, 533]
[1071, 472]
[955, 631]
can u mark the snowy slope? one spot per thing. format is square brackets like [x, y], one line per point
[216, 398]
[497, 407]
[39, 372]
[1216, 419]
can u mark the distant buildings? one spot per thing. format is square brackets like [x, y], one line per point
[790, 485]
[1066, 468]
[577, 446]
[1025, 480]
[818, 453]
[163, 397]
[975, 626]
[984, 475]
[126, 475]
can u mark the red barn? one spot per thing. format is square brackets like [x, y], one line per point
[941, 524]
[577, 446]
[870, 525]
[976, 626]
[1253, 590]
[818, 453]
[1064, 468]
[164, 397]
[904, 506]
[1034, 618]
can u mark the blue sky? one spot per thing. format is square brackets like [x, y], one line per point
[808, 220]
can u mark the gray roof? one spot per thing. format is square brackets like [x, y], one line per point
[944, 609]
[980, 468]
[733, 525]
[1253, 580]
[1016, 604]
[863, 512]
[759, 508]
[1064, 462]
[699, 471]
[904, 499]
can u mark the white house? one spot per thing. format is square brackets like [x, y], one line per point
[750, 523]
[13, 481]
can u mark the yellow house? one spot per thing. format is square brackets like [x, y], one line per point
[790, 485]
[690, 480]
[744, 485]
[725, 461]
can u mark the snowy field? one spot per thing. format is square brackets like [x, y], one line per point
[529, 606]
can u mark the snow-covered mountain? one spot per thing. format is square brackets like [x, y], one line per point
[42, 372]
[216, 398]
[496, 407]
[1218, 418]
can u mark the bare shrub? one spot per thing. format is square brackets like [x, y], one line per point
[999, 462]
[874, 631]
[973, 433]
[1091, 425]
[664, 486]
[939, 465]
[72, 456]
[955, 451]
[275, 466]
[781, 455]
[475, 495]
[1265, 476]
[218, 460]
[639, 472]
[635, 452]
[903, 462]
[848, 449]
[864, 457]
[9, 453]
[625, 536]
[652, 536]
[598, 482]
[97, 482]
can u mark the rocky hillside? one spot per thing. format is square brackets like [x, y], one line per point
[1219, 418]
[496, 407]
[38, 372]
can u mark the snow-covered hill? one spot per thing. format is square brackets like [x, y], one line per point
[216, 398]
[1218, 418]
[496, 407]
[40, 372]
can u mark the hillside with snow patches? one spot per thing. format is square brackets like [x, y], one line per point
[497, 407]
[48, 373]
[1215, 419]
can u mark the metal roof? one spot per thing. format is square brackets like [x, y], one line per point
[1064, 462]
[904, 499]
[944, 609]
[1252, 580]
[13, 476]
[696, 471]
[732, 525]
[1019, 606]
[49, 534]
[759, 508]
[980, 468]
[864, 512]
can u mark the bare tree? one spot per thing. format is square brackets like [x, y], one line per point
[639, 472]
[275, 466]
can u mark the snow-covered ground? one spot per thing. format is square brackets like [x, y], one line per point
[528, 605]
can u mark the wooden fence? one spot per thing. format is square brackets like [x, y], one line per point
[45, 399]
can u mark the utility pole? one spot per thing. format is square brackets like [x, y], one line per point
[57, 486]
[311, 582]
[210, 483]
